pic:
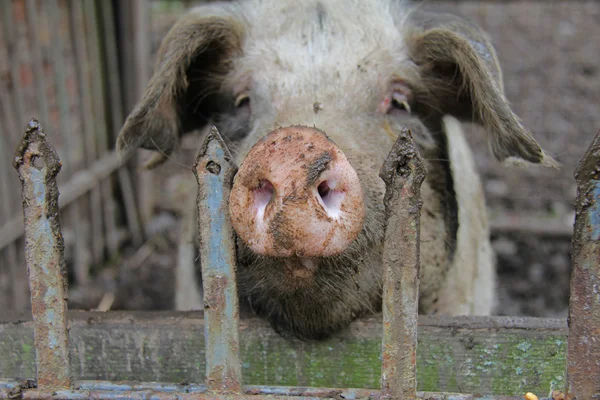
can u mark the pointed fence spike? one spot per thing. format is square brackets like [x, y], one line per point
[38, 165]
[583, 357]
[403, 173]
[214, 170]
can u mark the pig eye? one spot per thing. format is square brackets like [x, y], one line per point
[399, 99]
[242, 100]
[400, 102]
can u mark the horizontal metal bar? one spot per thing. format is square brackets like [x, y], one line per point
[81, 183]
[152, 390]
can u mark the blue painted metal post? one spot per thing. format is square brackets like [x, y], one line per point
[403, 173]
[214, 170]
[583, 359]
[38, 164]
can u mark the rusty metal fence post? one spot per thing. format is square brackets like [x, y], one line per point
[214, 170]
[38, 164]
[583, 359]
[403, 173]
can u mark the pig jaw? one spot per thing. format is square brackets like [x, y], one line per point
[296, 196]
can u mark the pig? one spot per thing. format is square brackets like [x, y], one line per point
[311, 95]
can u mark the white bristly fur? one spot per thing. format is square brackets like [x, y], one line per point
[291, 59]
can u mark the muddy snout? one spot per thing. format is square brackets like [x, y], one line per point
[296, 194]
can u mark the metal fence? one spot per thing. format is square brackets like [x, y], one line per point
[403, 173]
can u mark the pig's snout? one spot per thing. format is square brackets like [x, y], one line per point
[296, 194]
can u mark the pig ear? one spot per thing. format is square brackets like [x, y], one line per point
[194, 53]
[461, 76]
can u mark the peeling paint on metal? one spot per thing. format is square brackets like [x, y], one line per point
[214, 170]
[583, 358]
[403, 173]
[594, 213]
[44, 253]
[150, 390]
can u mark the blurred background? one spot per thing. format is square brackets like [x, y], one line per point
[79, 66]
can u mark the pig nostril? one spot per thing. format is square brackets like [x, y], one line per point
[330, 198]
[262, 196]
[323, 190]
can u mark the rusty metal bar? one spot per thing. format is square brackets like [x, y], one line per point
[129, 390]
[145, 395]
[44, 254]
[583, 359]
[403, 173]
[214, 170]
[152, 390]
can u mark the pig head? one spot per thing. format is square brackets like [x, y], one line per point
[312, 95]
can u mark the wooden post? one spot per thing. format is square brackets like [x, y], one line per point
[134, 50]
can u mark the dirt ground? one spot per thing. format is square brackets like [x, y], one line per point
[549, 52]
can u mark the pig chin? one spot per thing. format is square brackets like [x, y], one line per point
[301, 271]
